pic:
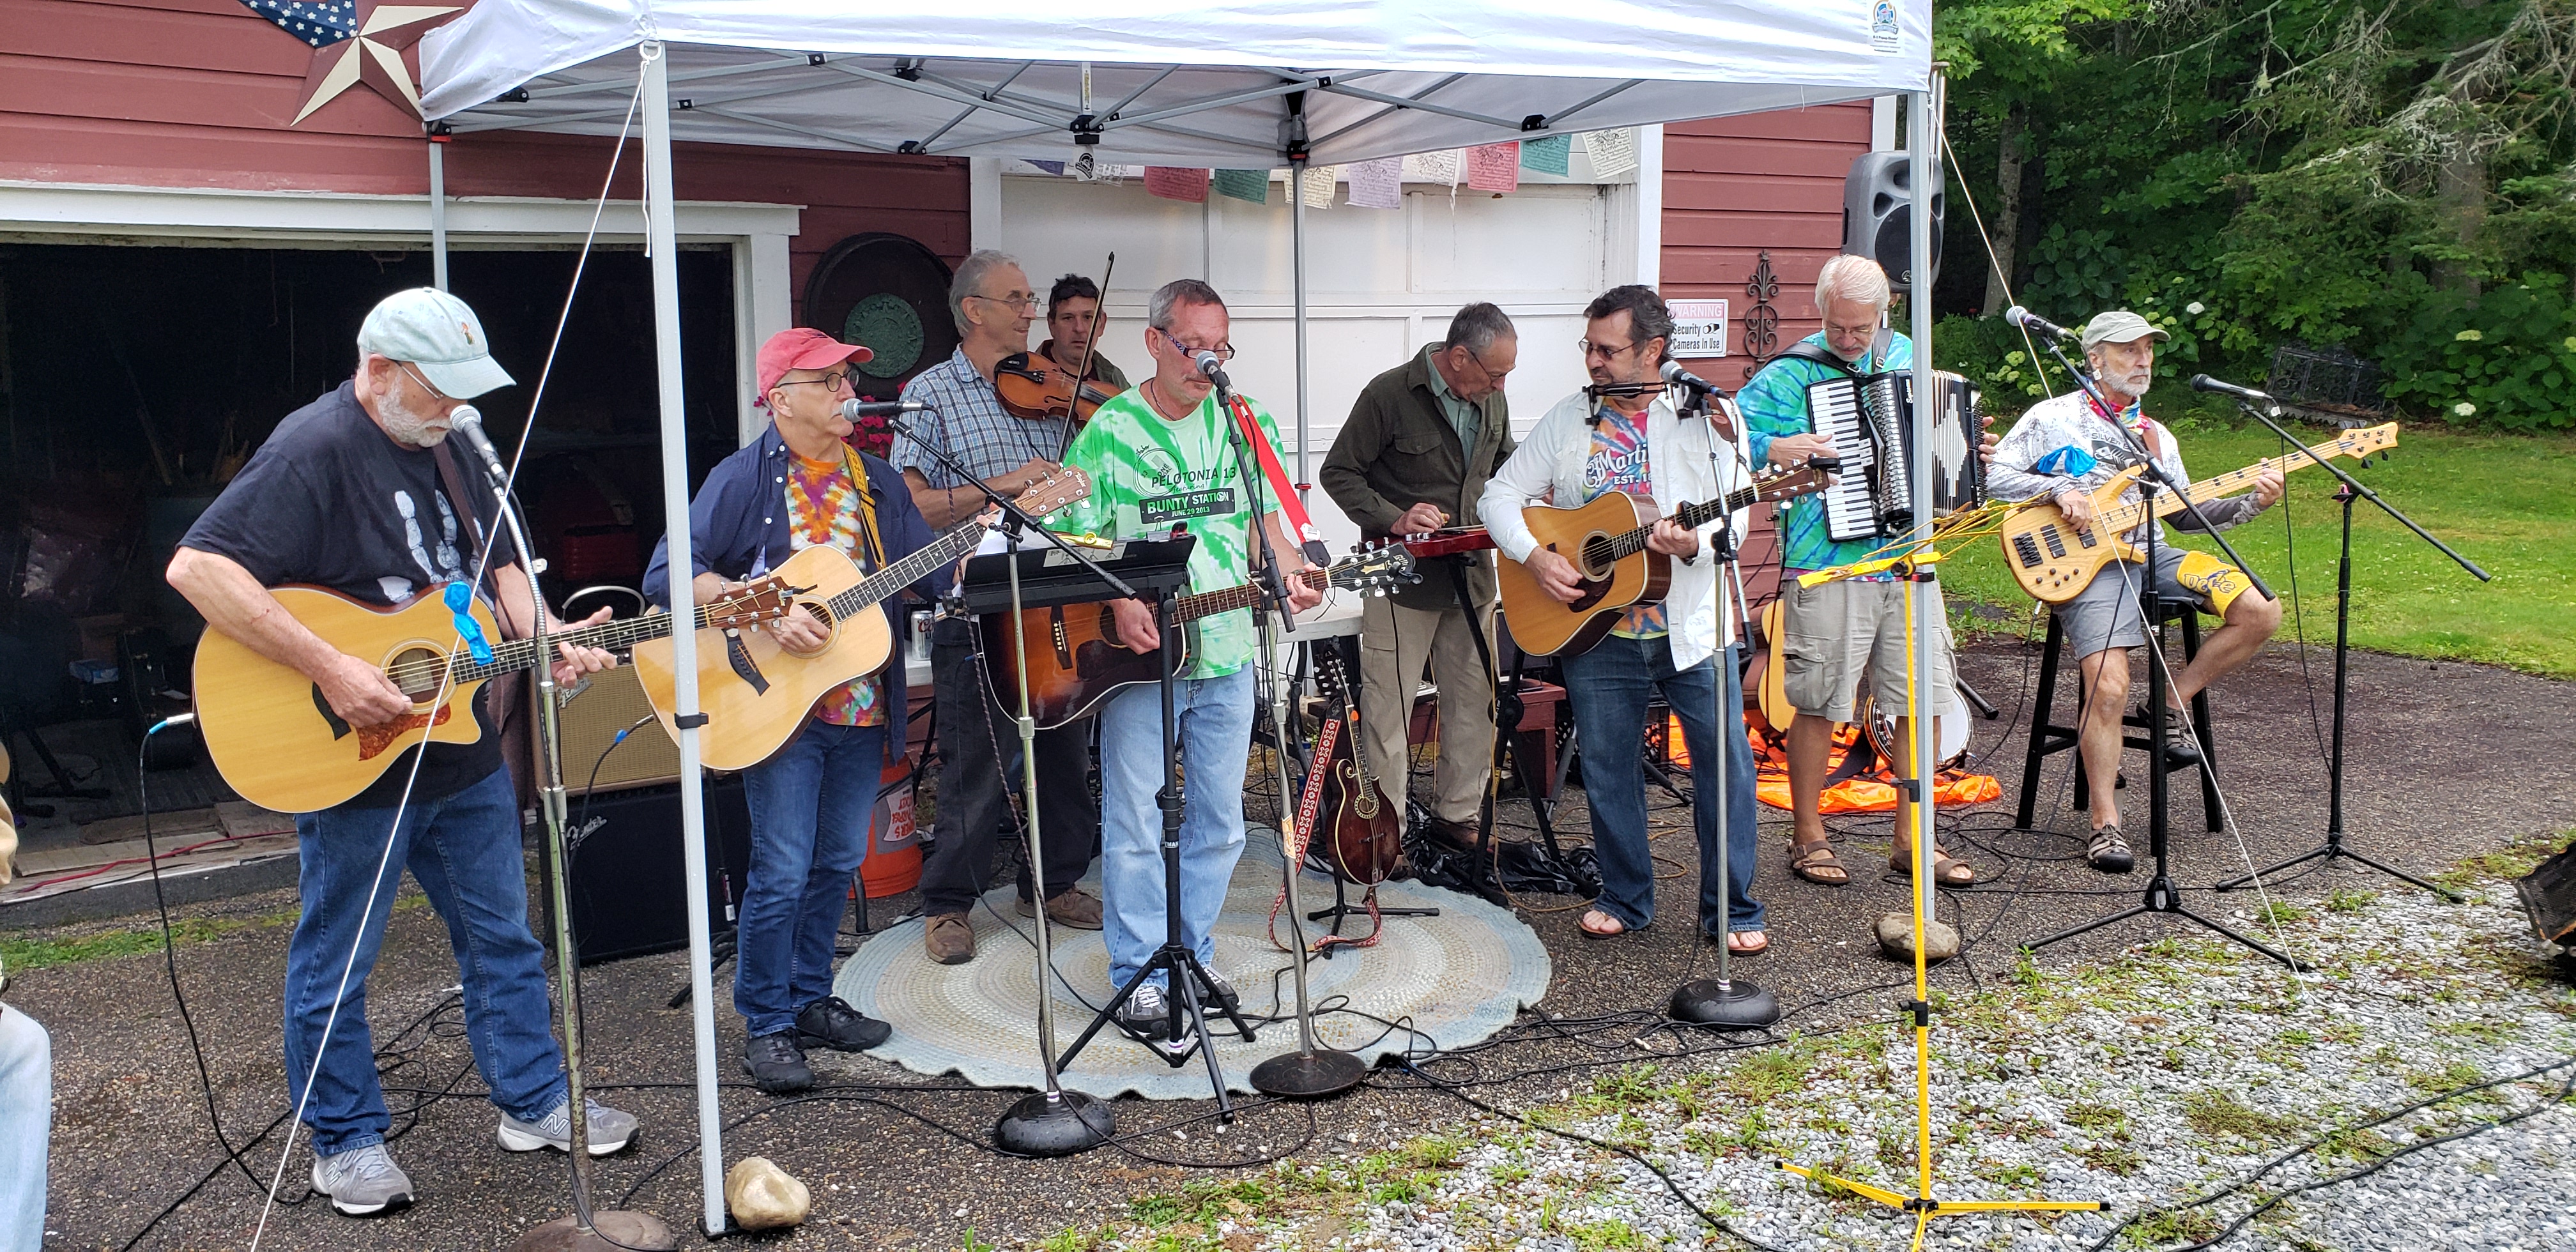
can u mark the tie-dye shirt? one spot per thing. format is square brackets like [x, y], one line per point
[823, 510]
[1149, 474]
[1619, 463]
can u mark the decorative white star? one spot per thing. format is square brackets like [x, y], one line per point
[373, 56]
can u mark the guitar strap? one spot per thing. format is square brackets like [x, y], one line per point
[1282, 492]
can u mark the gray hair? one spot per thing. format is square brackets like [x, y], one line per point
[1853, 279]
[1172, 295]
[1477, 326]
[969, 281]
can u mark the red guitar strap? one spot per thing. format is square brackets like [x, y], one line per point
[1283, 494]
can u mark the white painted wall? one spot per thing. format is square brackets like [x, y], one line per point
[1380, 283]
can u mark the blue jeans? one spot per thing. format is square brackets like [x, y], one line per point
[1214, 720]
[810, 806]
[1610, 686]
[464, 850]
[26, 1126]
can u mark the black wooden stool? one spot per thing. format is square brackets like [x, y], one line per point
[2048, 738]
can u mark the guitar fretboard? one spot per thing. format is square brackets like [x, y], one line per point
[1689, 517]
[882, 585]
[1192, 608]
[513, 655]
[2122, 520]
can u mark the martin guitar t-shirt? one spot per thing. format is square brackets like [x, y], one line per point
[331, 501]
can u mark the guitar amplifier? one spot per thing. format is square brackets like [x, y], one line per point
[628, 888]
[589, 723]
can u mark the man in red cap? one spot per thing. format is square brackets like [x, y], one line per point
[801, 484]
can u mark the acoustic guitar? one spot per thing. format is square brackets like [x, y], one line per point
[2054, 561]
[1342, 801]
[756, 694]
[1606, 541]
[277, 741]
[1076, 661]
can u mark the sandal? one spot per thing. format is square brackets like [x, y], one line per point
[1945, 871]
[1815, 862]
[1610, 927]
[1747, 942]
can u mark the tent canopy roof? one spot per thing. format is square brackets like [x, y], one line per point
[1161, 85]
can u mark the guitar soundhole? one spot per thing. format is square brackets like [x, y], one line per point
[821, 611]
[1597, 557]
[416, 672]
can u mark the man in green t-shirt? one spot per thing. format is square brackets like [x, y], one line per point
[1160, 460]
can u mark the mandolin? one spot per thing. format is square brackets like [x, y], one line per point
[277, 741]
[2054, 561]
[1076, 661]
[756, 694]
[1341, 800]
[1606, 540]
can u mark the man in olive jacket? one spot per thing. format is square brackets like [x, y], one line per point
[1414, 457]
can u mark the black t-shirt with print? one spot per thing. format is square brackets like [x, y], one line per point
[331, 501]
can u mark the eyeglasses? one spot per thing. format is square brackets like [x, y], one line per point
[424, 383]
[1490, 372]
[837, 380]
[1603, 351]
[1223, 351]
[1016, 299]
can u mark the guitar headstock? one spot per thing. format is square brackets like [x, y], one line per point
[764, 599]
[1329, 679]
[1055, 491]
[1795, 480]
[2361, 443]
[1375, 568]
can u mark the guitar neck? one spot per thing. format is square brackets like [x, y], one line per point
[956, 542]
[1206, 603]
[1689, 517]
[2124, 519]
[511, 656]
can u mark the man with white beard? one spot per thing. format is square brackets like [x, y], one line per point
[2066, 447]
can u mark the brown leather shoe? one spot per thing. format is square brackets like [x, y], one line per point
[1073, 907]
[949, 939]
[1459, 835]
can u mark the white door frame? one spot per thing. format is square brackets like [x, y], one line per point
[757, 234]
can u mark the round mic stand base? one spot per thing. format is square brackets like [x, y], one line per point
[1057, 1123]
[1727, 1004]
[609, 1229]
[1308, 1075]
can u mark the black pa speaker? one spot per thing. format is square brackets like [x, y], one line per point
[629, 886]
[1878, 214]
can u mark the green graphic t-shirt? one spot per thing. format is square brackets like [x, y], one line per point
[1149, 475]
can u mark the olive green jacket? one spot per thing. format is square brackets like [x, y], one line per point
[1399, 449]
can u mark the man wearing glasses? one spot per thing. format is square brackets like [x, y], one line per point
[965, 419]
[1421, 443]
[1161, 460]
[801, 485]
[1623, 434]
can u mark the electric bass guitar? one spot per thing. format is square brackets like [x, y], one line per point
[2055, 561]
[756, 694]
[1606, 541]
[277, 741]
[1076, 661]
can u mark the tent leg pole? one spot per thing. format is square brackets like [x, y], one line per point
[661, 239]
[438, 212]
[1297, 267]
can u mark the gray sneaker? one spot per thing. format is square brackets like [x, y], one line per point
[362, 1182]
[1147, 1013]
[610, 1129]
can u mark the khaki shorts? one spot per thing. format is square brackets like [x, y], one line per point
[1834, 633]
[2105, 614]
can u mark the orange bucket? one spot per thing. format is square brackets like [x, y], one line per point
[893, 864]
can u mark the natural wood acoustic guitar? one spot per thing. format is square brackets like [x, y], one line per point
[1076, 661]
[278, 742]
[756, 694]
[1606, 541]
[2054, 561]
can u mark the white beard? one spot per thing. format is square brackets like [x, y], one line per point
[408, 428]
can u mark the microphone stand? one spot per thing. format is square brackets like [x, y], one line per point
[1725, 1002]
[1054, 1121]
[1312, 1071]
[2350, 491]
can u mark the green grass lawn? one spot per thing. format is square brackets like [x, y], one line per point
[2505, 502]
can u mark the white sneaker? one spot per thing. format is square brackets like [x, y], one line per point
[362, 1182]
[610, 1129]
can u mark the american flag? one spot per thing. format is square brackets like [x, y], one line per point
[320, 23]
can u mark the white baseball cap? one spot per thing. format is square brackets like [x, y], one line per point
[439, 335]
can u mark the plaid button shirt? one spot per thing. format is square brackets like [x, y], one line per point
[966, 420]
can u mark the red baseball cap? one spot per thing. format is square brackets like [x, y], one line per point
[803, 348]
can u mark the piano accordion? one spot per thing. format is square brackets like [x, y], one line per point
[1870, 419]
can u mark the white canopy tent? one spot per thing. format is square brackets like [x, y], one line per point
[1250, 84]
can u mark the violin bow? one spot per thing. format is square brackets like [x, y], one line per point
[1082, 371]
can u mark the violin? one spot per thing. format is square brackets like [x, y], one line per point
[1035, 388]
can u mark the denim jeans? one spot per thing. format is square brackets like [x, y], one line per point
[1610, 686]
[464, 850]
[810, 806]
[26, 1125]
[1214, 721]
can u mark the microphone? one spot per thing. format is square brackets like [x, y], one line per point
[2028, 320]
[2203, 382]
[468, 422]
[1213, 367]
[853, 410]
[1676, 376]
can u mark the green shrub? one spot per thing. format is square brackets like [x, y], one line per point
[2505, 361]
